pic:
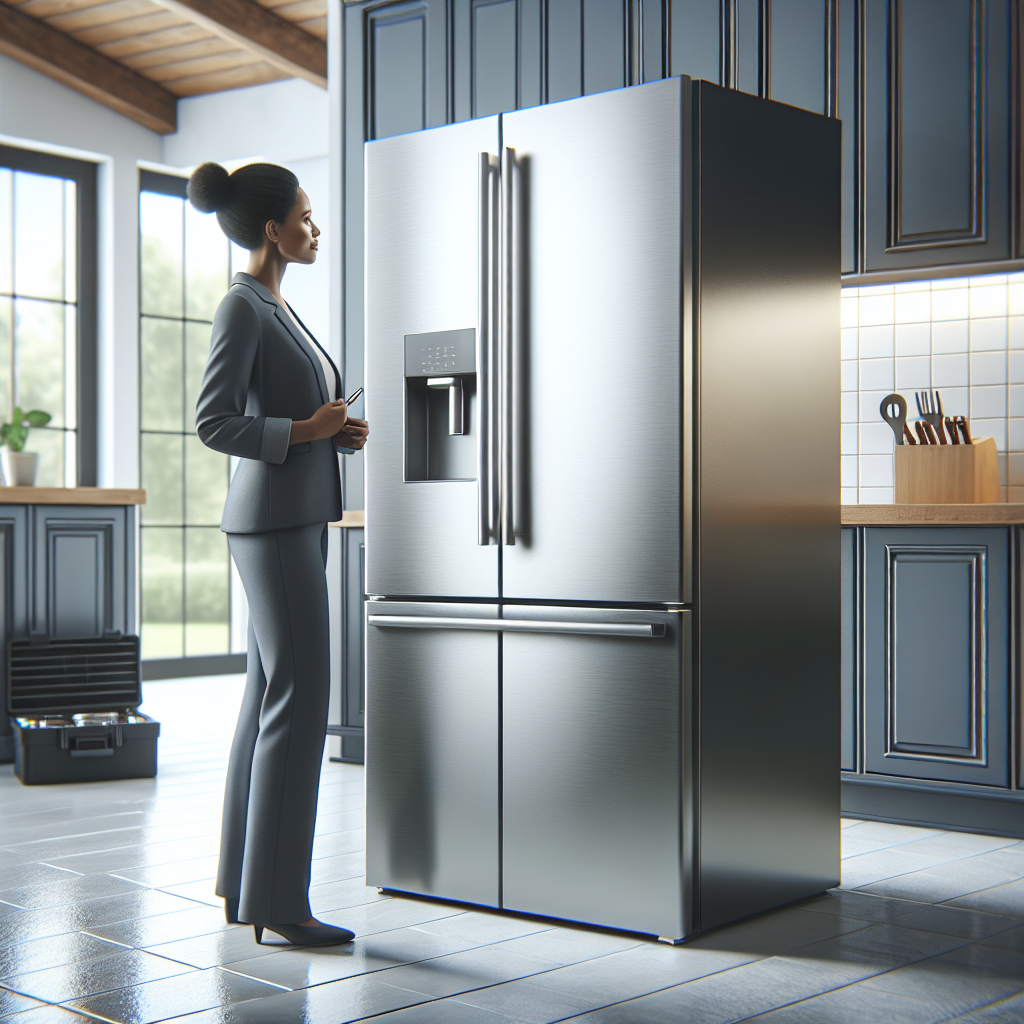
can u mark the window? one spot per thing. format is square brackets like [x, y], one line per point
[48, 308]
[184, 271]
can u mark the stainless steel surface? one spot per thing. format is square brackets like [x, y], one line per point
[486, 288]
[594, 769]
[422, 275]
[453, 385]
[432, 757]
[507, 341]
[598, 304]
[768, 593]
[636, 629]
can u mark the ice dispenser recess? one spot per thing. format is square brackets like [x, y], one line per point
[440, 405]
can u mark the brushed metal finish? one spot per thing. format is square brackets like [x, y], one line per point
[422, 275]
[768, 584]
[635, 629]
[594, 773]
[486, 290]
[507, 341]
[432, 811]
[598, 308]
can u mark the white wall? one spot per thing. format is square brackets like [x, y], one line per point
[282, 122]
[39, 113]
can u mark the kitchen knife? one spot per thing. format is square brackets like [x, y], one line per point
[894, 412]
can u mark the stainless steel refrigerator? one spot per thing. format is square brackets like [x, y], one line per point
[602, 508]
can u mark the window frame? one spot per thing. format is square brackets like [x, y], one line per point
[83, 173]
[167, 184]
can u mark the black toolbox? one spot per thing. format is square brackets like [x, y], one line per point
[74, 710]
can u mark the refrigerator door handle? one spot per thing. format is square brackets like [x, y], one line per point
[507, 346]
[485, 483]
[634, 629]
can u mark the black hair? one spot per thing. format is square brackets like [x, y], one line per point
[245, 200]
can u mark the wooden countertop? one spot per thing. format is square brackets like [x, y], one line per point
[356, 520]
[72, 496]
[994, 514]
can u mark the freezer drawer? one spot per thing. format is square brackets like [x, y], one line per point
[432, 755]
[595, 781]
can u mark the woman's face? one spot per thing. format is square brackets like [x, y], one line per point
[296, 237]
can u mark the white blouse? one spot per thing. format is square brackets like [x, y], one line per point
[330, 373]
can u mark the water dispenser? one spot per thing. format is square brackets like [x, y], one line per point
[440, 405]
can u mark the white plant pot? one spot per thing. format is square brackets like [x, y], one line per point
[19, 468]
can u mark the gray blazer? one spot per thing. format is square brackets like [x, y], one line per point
[261, 375]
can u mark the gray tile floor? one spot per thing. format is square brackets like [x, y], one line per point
[107, 913]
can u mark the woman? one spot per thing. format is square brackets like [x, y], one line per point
[272, 397]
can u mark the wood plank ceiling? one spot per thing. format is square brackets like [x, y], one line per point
[182, 47]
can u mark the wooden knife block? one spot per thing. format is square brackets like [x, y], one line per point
[947, 474]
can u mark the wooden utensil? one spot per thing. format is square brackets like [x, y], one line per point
[921, 432]
[908, 435]
[950, 424]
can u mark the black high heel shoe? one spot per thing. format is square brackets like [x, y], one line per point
[231, 909]
[307, 934]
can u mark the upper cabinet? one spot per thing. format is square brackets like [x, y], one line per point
[925, 90]
[936, 103]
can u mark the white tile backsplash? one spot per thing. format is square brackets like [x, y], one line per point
[951, 336]
[963, 336]
[988, 334]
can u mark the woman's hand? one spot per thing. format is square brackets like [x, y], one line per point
[327, 421]
[353, 434]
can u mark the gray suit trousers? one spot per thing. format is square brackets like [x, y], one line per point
[274, 771]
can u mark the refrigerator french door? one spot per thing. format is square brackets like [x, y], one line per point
[602, 542]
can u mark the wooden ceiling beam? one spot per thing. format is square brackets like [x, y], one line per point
[83, 69]
[278, 42]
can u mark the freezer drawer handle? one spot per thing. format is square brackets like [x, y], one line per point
[638, 629]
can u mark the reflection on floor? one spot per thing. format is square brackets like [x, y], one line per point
[108, 910]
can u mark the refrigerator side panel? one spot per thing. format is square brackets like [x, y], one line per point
[422, 245]
[596, 464]
[594, 773]
[768, 601]
[432, 756]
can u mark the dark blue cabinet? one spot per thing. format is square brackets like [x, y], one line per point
[936, 653]
[68, 571]
[938, 130]
[929, 676]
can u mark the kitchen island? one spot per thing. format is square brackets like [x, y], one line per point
[69, 568]
[931, 677]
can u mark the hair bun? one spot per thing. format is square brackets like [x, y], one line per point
[208, 187]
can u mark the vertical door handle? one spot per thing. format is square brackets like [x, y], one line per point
[484, 348]
[507, 346]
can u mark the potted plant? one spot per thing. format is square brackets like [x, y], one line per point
[20, 466]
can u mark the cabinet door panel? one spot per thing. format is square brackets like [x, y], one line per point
[432, 756]
[13, 604]
[937, 117]
[936, 664]
[798, 48]
[80, 571]
[850, 633]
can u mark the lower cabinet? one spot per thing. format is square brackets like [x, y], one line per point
[68, 571]
[928, 680]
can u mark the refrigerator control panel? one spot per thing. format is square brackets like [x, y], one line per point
[441, 353]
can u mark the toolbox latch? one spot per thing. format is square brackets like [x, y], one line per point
[91, 744]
